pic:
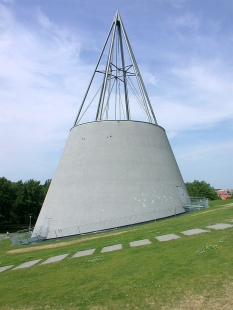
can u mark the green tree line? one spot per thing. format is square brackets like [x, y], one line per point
[20, 200]
[201, 189]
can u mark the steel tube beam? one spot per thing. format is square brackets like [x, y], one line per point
[101, 54]
[123, 68]
[103, 90]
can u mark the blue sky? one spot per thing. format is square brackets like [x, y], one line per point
[48, 51]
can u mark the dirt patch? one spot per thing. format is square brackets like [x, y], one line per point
[65, 243]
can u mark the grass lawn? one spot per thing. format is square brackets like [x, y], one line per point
[192, 272]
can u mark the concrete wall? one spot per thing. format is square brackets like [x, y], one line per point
[112, 173]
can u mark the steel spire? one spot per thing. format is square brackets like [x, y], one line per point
[122, 87]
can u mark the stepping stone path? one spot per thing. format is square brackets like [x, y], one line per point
[139, 242]
[54, 259]
[112, 248]
[27, 264]
[84, 253]
[194, 231]
[220, 226]
[167, 237]
[5, 268]
[119, 246]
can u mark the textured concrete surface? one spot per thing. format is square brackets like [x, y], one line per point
[167, 237]
[112, 248]
[5, 268]
[220, 226]
[139, 242]
[84, 253]
[27, 264]
[194, 231]
[54, 259]
[91, 191]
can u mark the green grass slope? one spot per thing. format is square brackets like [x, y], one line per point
[193, 272]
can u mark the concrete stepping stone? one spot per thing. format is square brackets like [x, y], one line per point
[220, 226]
[27, 264]
[167, 237]
[5, 268]
[54, 259]
[112, 248]
[84, 253]
[139, 242]
[194, 231]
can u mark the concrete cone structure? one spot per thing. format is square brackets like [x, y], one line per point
[118, 169]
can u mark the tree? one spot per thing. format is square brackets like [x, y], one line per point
[20, 200]
[46, 186]
[6, 200]
[201, 189]
[19, 204]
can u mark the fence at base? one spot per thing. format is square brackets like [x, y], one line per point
[197, 203]
[24, 236]
[114, 223]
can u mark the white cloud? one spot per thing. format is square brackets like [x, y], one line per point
[208, 161]
[150, 78]
[42, 82]
[7, 1]
[177, 3]
[43, 19]
[202, 77]
[188, 20]
[195, 97]
[204, 150]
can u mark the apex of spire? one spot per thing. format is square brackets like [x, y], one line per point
[117, 16]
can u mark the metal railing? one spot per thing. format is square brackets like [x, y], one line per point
[41, 233]
[22, 237]
[197, 203]
[112, 223]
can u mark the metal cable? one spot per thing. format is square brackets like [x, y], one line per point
[109, 97]
[88, 106]
[140, 103]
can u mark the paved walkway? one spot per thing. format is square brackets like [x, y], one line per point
[116, 247]
[167, 237]
[194, 231]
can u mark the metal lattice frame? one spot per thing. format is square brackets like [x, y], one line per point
[115, 74]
